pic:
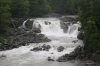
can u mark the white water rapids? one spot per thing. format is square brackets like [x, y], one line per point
[24, 57]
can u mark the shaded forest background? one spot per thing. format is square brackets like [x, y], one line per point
[87, 10]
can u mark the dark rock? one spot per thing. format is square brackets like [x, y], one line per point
[2, 56]
[62, 59]
[67, 19]
[29, 24]
[61, 48]
[36, 49]
[96, 56]
[49, 22]
[80, 36]
[78, 53]
[74, 41]
[46, 23]
[50, 59]
[46, 47]
[64, 26]
[17, 21]
[36, 30]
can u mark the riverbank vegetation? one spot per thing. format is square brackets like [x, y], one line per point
[88, 11]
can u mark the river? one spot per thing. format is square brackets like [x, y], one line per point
[22, 56]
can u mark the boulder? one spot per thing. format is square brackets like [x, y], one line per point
[46, 23]
[62, 59]
[36, 49]
[61, 48]
[46, 47]
[67, 19]
[80, 36]
[74, 41]
[16, 22]
[96, 57]
[36, 30]
[50, 59]
[29, 24]
[64, 26]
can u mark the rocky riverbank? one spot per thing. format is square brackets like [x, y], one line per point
[22, 34]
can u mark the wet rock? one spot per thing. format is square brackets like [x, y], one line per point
[1, 56]
[62, 59]
[46, 47]
[61, 48]
[64, 26]
[36, 49]
[46, 23]
[67, 19]
[50, 59]
[29, 24]
[96, 56]
[78, 53]
[49, 22]
[74, 41]
[17, 22]
[80, 36]
[36, 30]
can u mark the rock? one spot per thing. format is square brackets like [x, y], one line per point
[74, 41]
[36, 49]
[62, 59]
[17, 21]
[80, 36]
[46, 23]
[36, 30]
[46, 47]
[49, 23]
[50, 59]
[29, 24]
[67, 19]
[64, 26]
[96, 56]
[61, 48]
[2, 56]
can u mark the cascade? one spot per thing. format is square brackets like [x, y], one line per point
[51, 28]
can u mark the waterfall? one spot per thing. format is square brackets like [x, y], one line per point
[51, 28]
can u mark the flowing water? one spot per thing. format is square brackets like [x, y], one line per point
[24, 57]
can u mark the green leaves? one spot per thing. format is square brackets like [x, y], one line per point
[20, 8]
[4, 15]
[90, 18]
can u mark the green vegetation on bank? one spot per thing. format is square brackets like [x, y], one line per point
[89, 15]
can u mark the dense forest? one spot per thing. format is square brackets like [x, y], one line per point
[88, 11]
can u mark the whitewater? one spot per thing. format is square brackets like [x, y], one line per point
[22, 56]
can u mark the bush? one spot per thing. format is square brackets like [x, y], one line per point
[1, 39]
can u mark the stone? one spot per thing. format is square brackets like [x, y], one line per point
[36, 30]
[64, 26]
[50, 59]
[36, 49]
[61, 48]
[46, 47]
[80, 36]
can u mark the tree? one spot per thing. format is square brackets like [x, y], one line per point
[4, 15]
[89, 15]
[39, 8]
[20, 8]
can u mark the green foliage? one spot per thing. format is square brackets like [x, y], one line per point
[20, 8]
[39, 8]
[1, 39]
[63, 6]
[89, 15]
[4, 15]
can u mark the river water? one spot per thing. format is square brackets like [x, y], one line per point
[24, 57]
